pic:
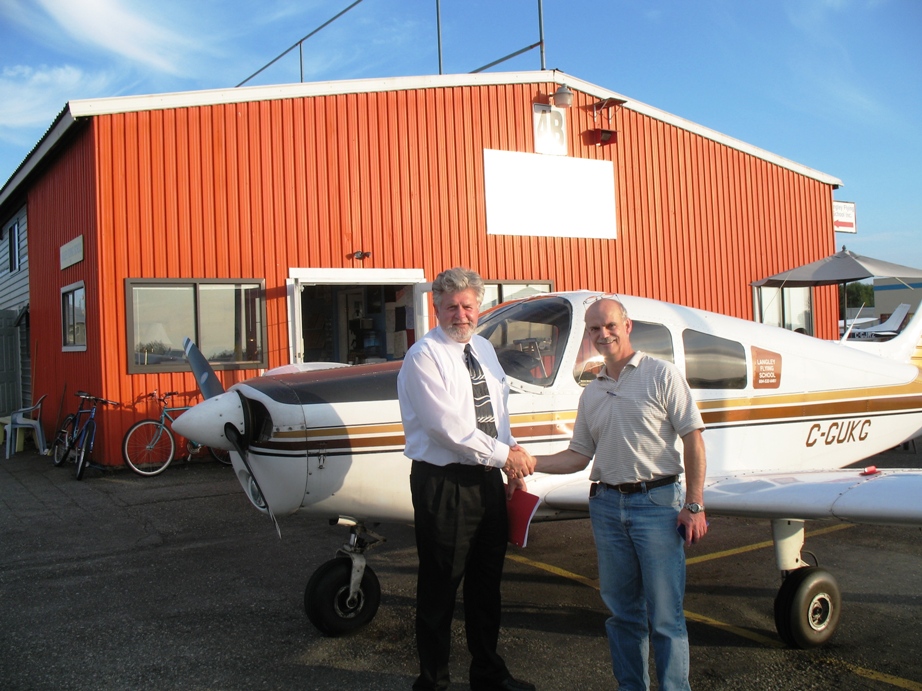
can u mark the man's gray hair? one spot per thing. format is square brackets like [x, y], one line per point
[455, 280]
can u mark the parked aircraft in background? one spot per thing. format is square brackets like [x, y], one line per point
[785, 414]
[886, 329]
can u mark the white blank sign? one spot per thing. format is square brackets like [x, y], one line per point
[549, 196]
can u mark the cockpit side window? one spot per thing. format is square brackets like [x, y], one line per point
[653, 339]
[529, 337]
[712, 362]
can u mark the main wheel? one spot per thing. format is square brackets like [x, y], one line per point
[148, 447]
[85, 447]
[807, 607]
[326, 599]
[59, 448]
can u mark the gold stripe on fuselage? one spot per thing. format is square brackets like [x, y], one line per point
[548, 425]
[740, 411]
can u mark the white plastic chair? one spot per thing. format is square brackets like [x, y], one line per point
[26, 418]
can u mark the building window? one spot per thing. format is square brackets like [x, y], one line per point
[790, 308]
[13, 247]
[73, 317]
[226, 319]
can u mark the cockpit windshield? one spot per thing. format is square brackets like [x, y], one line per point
[529, 337]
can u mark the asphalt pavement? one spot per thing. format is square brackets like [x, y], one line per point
[176, 582]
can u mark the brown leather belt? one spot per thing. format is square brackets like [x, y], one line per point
[634, 487]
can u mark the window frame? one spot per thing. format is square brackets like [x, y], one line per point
[15, 256]
[196, 284]
[74, 347]
[776, 307]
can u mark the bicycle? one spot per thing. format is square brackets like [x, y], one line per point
[76, 436]
[149, 445]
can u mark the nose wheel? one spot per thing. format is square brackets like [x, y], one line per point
[329, 604]
[343, 595]
[807, 607]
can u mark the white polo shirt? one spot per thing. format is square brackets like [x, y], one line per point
[630, 425]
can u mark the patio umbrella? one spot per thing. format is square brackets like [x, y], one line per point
[841, 267]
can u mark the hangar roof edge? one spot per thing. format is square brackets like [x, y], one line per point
[85, 108]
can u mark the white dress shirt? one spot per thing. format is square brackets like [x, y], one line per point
[437, 403]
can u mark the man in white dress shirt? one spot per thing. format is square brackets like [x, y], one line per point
[453, 396]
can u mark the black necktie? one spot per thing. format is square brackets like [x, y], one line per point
[483, 407]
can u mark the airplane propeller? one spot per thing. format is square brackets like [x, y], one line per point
[208, 382]
[211, 386]
[236, 438]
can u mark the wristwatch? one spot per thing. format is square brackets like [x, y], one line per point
[694, 507]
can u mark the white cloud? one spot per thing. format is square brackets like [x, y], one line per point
[32, 97]
[110, 25]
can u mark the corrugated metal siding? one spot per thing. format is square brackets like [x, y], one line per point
[61, 207]
[249, 190]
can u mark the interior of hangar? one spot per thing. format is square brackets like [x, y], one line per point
[292, 223]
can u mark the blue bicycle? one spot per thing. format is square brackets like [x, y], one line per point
[78, 432]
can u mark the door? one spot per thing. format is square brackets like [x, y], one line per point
[10, 396]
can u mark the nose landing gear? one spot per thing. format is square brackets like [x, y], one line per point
[343, 594]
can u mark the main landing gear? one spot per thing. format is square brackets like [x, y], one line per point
[343, 594]
[808, 604]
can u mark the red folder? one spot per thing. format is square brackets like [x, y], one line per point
[521, 508]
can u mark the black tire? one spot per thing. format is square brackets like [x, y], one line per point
[85, 447]
[808, 607]
[327, 594]
[148, 447]
[60, 447]
[220, 455]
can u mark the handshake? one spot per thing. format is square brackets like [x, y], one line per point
[519, 463]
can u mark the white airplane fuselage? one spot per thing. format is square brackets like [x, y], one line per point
[330, 443]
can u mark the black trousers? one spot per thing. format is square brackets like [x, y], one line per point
[461, 533]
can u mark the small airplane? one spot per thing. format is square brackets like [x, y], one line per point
[889, 328]
[785, 413]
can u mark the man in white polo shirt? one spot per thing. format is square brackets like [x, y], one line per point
[629, 420]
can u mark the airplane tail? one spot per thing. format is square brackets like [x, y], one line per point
[904, 347]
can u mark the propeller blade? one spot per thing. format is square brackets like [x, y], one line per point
[236, 438]
[208, 382]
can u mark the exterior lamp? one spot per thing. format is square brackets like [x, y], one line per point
[563, 97]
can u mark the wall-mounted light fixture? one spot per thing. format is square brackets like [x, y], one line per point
[607, 133]
[563, 97]
[359, 254]
[605, 136]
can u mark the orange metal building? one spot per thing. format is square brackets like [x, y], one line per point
[319, 204]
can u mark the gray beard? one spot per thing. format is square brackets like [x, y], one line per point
[461, 334]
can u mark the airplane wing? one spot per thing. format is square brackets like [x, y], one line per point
[882, 497]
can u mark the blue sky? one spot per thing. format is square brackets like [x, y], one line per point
[832, 84]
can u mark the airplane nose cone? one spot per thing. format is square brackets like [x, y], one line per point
[204, 423]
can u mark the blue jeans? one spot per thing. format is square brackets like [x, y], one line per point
[642, 581]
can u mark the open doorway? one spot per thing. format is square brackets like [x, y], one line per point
[356, 324]
[355, 316]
